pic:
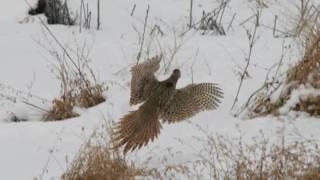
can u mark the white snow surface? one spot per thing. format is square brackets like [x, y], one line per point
[44, 149]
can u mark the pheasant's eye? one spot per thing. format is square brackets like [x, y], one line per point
[176, 72]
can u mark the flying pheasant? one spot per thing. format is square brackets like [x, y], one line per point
[161, 100]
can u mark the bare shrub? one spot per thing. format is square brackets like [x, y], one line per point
[58, 13]
[79, 86]
[55, 11]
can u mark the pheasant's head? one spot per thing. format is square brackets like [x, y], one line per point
[176, 74]
[172, 80]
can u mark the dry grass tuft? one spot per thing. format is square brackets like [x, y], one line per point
[99, 161]
[89, 97]
[84, 97]
[61, 109]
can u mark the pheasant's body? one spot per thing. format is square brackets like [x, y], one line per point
[161, 100]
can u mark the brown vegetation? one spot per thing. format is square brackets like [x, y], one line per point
[90, 97]
[306, 73]
[226, 158]
[61, 109]
[98, 160]
[221, 157]
[78, 84]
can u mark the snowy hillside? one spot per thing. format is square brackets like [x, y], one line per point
[37, 149]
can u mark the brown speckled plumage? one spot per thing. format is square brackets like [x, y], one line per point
[161, 100]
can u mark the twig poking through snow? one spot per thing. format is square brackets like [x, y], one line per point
[190, 14]
[144, 31]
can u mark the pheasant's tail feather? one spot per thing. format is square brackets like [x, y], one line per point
[135, 130]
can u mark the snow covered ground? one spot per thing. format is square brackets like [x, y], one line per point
[44, 149]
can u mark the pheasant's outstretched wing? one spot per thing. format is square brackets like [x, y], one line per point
[191, 100]
[143, 79]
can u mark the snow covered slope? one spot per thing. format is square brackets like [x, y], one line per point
[44, 149]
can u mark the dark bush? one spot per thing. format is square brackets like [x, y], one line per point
[55, 11]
